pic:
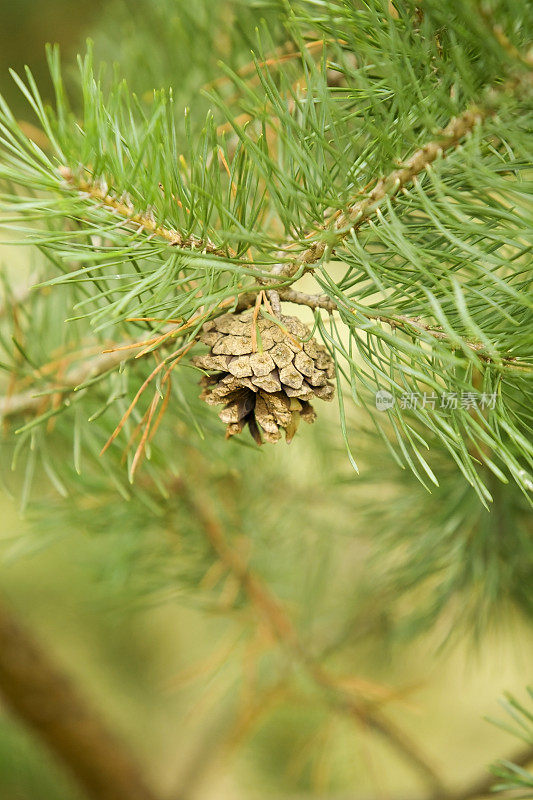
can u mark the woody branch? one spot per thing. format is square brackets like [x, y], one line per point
[47, 701]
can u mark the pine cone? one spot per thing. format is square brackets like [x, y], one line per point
[265, 381]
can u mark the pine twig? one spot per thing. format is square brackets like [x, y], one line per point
[386, 188]
[338, 227]
[359, 211]
[271, 611]
[123, 207]
[12, 405]
[47, 701]
[405, 323]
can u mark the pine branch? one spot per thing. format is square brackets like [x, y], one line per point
[436, 255]
[47, 701]
[409, 325]
[273, 614]
[12, 405]
[387, 187]
[141, 220]
[340, 225]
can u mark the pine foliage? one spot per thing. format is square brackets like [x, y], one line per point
[380, 150]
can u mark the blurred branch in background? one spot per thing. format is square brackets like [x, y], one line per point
[47, 701]
[49, 704]
[270, 611]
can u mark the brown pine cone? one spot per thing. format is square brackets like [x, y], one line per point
[265, 381]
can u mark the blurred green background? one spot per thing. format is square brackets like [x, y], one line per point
[25, 27]
[145, 666]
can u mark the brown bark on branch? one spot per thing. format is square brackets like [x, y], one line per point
[46, 701]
